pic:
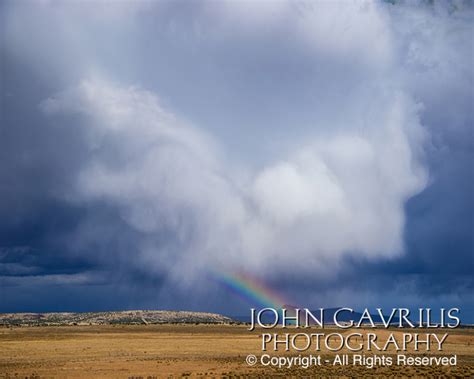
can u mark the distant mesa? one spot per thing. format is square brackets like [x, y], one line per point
[142, 317]
[145, 317]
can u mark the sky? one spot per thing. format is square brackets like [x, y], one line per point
[322, 148]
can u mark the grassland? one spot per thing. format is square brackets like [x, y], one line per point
[157, 351]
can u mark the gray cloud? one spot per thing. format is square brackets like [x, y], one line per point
[324, 200]
[269, 138]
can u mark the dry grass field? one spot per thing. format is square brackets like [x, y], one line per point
[162, 351]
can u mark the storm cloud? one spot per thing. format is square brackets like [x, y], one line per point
[145, 145]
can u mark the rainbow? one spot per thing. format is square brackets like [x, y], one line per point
[249, 289]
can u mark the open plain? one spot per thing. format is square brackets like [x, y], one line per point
[184, 350]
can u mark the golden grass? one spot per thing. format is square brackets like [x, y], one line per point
[156, 351]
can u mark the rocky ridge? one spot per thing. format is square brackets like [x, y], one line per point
[111, 318]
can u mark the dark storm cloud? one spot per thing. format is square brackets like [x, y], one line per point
[112, 196]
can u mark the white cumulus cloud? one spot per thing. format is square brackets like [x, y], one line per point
[340, 193]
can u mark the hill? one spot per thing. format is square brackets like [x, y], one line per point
[109, 318]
